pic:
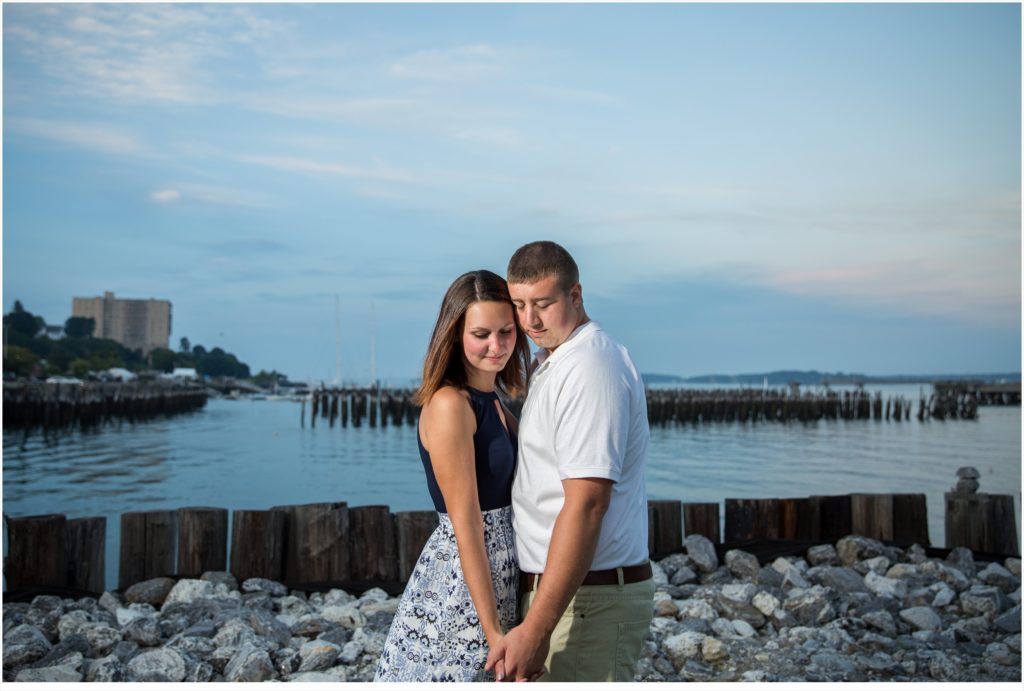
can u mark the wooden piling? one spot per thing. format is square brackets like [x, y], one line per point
[86, 543]
[202, 540]
[373, 541]
[910, 519]
[413, 529]
[257, 544]
[872, 515]
[317, 543]
[147, 546]
[702, 519]
[667, 530]
[36, 552]
[831, 517]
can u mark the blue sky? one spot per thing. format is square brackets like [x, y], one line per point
[745, 187]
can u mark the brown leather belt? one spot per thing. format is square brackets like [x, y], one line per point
[630, 574]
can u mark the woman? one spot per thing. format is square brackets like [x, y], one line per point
[462, 594]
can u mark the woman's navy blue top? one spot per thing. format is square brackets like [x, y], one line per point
[495, 449]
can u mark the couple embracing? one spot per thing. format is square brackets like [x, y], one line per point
[539, 567]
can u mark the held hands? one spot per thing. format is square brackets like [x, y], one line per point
[519, 656]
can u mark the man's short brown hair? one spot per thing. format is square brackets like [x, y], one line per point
[538, 260]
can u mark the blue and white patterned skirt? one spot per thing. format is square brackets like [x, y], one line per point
[436, 635]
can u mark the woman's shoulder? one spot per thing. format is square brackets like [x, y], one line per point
[448, 402]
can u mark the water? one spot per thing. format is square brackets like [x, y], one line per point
[253, 455]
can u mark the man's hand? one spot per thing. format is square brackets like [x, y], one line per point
[523, 653]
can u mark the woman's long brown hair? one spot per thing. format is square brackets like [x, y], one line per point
[444, 365]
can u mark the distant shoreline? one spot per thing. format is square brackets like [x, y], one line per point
[815, 378]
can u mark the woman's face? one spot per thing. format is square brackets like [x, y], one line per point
[488, 336]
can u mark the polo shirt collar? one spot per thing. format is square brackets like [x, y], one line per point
[544, 355]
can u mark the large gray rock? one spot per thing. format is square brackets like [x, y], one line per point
[713, 650]
[822, 555]
[881, 620]
[220, 578]
[682, 647]
[153, 592]
[106, 669]
[110, 602]
[351, 652]
[885, 587]
[273, 588]
[349, 616]
[810, 607]
[999, 576]
[942, 668]
[922, 618]
[742, 565]
[188, 590]
[841, 579]
[702, 552]
[733, 609]
[69, 671]
[162, 664]
[233, 634]
[267, 625]
[317, 655]
[855, 548]
[145, 631]
[1012, 565]
[765, 602]
[250, 664]
[1008, 621]
[23, 645]
[981, 600]
[963, 559]
[695, 608]
[683, 575]
[71, 623]
[44, 613]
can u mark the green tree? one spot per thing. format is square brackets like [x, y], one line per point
[184, 345]
[79, 327]
[23, 322]
[19, 360]
[162, 360]
[80, 367]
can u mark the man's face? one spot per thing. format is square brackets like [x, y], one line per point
[546, 312]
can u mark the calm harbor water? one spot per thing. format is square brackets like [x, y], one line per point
[253, 455]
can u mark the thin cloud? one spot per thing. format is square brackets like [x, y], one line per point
[95, 137]
[466, 63]
[165, 196]
[305, 165]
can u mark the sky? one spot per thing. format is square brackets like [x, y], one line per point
[745, 188]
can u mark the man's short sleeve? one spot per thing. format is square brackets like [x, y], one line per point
[592, 419]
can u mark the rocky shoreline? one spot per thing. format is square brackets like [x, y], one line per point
[857, 610]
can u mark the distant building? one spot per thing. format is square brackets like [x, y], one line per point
[136, 324]
[184, 373]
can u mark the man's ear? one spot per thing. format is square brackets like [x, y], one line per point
[576, 294]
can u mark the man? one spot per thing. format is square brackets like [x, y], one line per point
[579, 500]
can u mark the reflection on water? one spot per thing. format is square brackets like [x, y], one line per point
[254, 455]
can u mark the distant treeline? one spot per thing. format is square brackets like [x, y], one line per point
[816, 378]
[29, 351]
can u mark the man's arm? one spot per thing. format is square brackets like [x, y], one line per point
[573, 543]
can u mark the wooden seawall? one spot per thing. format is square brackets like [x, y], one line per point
[316, 546]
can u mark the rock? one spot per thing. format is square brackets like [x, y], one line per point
[71, 623]
[682, 647]
[338, 674]
[220, 578]
[70, 671]
[683, 575]
[904, 572]
[249, 663]
[916, 554]
[162, 664]
[941, 667]
[351, 652]
[193, 646]
[712, 649]
[720, 627]
[1009, 621]
[110, 602]
[922, 618]
[702, 552]
[881, 620]
[879, 564]
[768, 577]
[733, 609]
[738, 592]
[742, 565]
[1012, 565]
[695, 609]
[188, 590]
[72, 644]
[286, 661]
[348, 615]
[766, 603]
[376, 595]
[233, 634]
[944, 596]
[822, 555]
[742, 629]
[125, 615]
[265, 624]
[963, 559]
[754, 675]
[145, 631]
[719, 576]
[835, 667]
[659, 576]
[980, 600]
[23, 645]
[665, 607]
[202, 629]
[293, 606]
[106, 669]
[125, 651]
[339, 636]
[101, 637]
[200, 672]
[781, 565]
[674, 562]
[45, 613]
[153, 592]
[258, 600]
[885, 587]
[273, 588]
[854, 548]
[793, 579]
[841, 579]
[317, 655]
[999, 576]
[372, 641]
[1013, 642]
[810, 607]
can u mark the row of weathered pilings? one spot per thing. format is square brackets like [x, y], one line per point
[383, 407]
[331, 544]
[54, 406]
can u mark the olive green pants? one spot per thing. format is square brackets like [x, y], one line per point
[601, 633]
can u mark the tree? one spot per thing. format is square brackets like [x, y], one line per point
[184, 345]
[19, 360]
[23, 322]
[162, 360]
[79, 327]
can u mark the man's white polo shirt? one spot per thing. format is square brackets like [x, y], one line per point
[585, 416]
